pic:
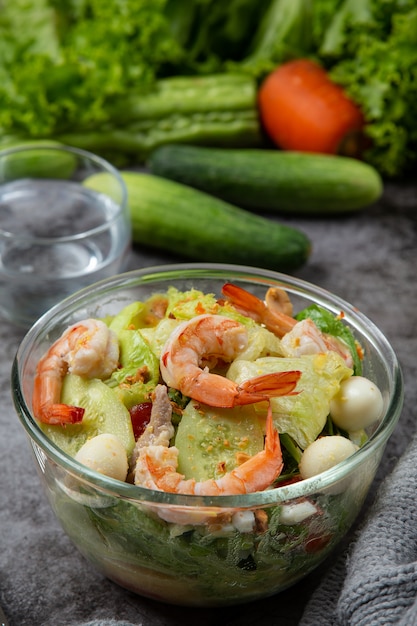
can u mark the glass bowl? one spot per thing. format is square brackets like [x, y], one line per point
[120, 528]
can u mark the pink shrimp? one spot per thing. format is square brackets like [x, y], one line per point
[204, 340]
[88, 348]
[156, 468]
[273, 319]
[297, 338]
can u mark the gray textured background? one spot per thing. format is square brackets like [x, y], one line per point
[369, 259]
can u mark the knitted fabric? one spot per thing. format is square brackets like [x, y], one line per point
[376, 584]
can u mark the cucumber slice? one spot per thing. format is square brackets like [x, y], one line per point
[210, 440]
[104, 413]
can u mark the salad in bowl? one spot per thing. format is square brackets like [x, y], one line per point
[206, 434]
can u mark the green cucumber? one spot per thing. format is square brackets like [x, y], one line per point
[210, 440]
[272, 180]
[177, 218]
[36, 158]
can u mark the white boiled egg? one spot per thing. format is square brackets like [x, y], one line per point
[357, 404]
[324, 453]
[105, 454]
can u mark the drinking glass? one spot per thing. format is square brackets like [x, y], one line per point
[57, 234]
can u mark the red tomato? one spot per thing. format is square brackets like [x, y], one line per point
[140, 414]
[303, 110]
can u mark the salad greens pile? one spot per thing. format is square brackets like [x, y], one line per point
[195, 564]
[198, 562]
[68, 65]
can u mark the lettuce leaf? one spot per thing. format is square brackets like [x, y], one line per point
[370, 48]
[80, 54]
[304, 415]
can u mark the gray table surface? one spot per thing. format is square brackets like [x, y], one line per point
[369, 259]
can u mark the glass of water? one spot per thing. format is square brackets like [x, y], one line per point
[57, 234]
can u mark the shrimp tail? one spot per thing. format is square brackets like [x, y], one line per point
[61, 414]
[272, 442]
[47, 388]
[277, 322]
[243, 299]
[260, 471]
[268, 386]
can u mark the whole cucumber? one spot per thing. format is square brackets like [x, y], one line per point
[272, 180]
[173, 217]
[36, 158]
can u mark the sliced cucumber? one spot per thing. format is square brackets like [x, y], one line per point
[213, 441]
[104, 413]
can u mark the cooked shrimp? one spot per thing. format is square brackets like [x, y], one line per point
[156, 468]
[201, 342]
[88, 348]
[306, 338]
[275, 320]
[297, 338]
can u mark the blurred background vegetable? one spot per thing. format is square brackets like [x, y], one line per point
[370, 48]
[217, 109]
[170, 216]
[275, 181]
[302, 109]
[68, 66]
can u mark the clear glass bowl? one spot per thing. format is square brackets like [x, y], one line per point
[115, 525]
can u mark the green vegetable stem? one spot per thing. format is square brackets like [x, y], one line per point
[284, 32]
[216, 110]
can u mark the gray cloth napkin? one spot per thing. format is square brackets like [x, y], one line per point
[375, 584]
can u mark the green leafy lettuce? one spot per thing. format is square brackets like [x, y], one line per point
[68, 65]
[62, 61]
[303, 415]
[370, 48]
